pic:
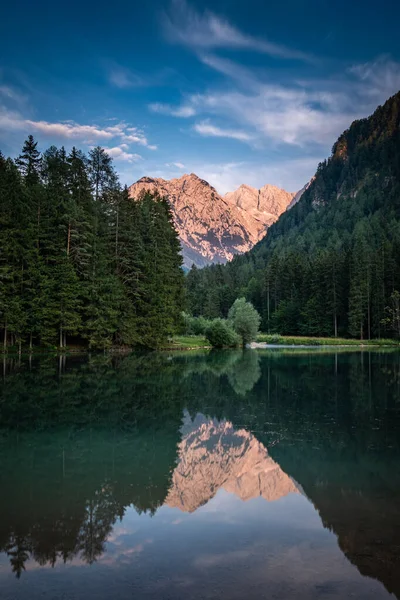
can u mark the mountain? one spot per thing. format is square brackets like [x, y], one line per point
[265, 204]
[331, 264]
[212, 228]
[214, 455]
[299, 194]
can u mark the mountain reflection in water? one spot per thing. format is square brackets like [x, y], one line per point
[213, 455]
[201, 476]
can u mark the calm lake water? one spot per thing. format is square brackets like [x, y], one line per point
[229, 475]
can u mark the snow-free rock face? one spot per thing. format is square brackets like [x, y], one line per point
[212, 228]
[299, 194]
[265, 204]
[213, 455]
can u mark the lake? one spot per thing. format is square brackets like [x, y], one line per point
[223, 475]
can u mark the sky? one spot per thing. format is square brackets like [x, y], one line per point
[236, 91]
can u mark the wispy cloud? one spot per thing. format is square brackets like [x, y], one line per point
[183, 111]
[184, 25]
[9, 93]
[178, 165]
[297, 113]
[244, 77]
[206, 128]
[381, 76]
[122, 77]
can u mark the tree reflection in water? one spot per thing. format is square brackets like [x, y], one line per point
[82, 439]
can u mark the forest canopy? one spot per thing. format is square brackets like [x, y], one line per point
[80, 262]
[331, 264]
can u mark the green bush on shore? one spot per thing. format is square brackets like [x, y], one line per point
[221, 335]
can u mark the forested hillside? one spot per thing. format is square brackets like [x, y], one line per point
[80, 262]
[331, 264]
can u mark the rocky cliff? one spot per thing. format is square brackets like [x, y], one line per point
[212, 228]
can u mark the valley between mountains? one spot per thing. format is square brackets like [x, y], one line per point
[213, 228]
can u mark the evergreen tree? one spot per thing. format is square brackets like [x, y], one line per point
[29, 162]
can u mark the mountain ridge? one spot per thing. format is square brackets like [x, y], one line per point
[329, 266]
[214, 228]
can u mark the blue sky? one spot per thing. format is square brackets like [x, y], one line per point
[237, 91]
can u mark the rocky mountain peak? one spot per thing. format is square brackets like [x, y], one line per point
[212, 228]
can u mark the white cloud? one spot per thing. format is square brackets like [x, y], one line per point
[88, 134]
[120, 153]
[205, 128]
[71, 131]
[135, 136]
[184, 25]
[183, 111]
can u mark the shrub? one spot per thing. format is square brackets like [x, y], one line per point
[199, 325]
[221, 335]
[193, 325]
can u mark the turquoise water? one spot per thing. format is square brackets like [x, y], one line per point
[255, 474]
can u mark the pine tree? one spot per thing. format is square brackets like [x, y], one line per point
[29, 162]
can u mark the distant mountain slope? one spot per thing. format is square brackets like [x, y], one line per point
[330, 264]
[265, 204]
[212, 228]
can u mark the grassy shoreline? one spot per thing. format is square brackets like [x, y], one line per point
[199, 342]
[279, 340]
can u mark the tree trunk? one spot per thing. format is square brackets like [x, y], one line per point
[61, 337]
[30, 341]
[335, 325]
[5, 337]
[68, 238]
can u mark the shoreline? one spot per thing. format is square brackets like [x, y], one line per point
[190, 343]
